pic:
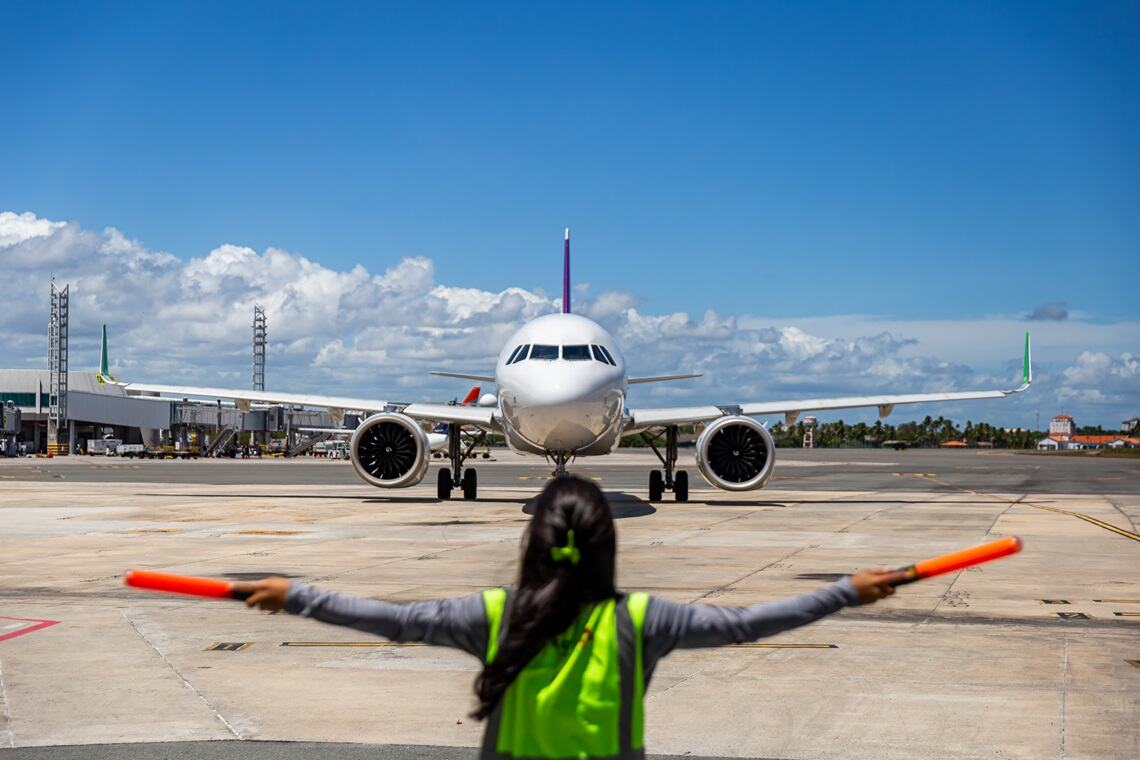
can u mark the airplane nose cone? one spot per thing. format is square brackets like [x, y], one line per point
[561, 414]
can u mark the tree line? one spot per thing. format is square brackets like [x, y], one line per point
[929, 432]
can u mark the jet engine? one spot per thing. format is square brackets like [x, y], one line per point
[736, 454]
[390, 450]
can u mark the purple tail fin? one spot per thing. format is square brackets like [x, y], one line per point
[566, 275]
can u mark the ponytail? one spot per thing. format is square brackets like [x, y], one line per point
[567, 562]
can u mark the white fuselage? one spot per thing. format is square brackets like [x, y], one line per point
[567, 392]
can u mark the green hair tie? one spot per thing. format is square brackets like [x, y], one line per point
[568, 553]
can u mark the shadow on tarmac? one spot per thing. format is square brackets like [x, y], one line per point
[255, 750]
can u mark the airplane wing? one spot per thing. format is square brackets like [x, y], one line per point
[661, 378]
[481, 416]
[464, 376]
[643, 419]
[336, 405]
[244, 397]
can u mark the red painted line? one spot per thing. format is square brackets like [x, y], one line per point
[41, 624]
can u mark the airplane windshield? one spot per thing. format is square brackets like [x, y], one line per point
[576, 353]
[599, 355]
[544, 352]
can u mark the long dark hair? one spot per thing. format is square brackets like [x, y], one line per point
[550, 593]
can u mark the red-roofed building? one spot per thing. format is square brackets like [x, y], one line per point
[1063, 435]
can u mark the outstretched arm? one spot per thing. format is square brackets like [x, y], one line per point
[460, 622]
[669, 625]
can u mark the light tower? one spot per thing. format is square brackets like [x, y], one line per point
[57, 368]
[259, 338]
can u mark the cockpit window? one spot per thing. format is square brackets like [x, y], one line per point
[576, 353]
[599, 355]
[520, 354]
[514, 353]
[544, 352]
[609, 357]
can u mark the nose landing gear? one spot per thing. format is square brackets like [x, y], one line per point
[659, 482]
[455, 475]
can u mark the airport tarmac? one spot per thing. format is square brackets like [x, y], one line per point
[1034, 656]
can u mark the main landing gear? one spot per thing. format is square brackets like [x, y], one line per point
[455, 476]
[659, 483]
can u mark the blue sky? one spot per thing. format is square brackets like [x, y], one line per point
[909, 161]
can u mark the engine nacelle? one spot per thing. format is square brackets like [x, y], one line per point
[736, 454]
[390, 450]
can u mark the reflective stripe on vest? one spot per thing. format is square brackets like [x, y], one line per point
[581, 696]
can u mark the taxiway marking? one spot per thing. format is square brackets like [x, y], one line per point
[21, 630]
[1087, 518]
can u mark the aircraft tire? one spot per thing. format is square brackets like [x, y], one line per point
[470, 483]
[443, 483]
[681, 486]
[656, 485]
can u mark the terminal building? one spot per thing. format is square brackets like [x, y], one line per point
[97, 410]
[59, 411]
[1063, 436]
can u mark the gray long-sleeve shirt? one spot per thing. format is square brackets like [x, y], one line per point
[462, 622]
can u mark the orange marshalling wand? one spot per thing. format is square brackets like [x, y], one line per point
[948, 563]
[182, 584]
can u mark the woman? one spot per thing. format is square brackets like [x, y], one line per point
[566, 656]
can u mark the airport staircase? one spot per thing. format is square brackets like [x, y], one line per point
[218, 445]
[307, 444]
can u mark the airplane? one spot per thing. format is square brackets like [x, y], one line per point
[562, 387]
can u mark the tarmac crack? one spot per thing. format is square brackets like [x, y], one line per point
[725, 586]
[4, 710]
[209, 705]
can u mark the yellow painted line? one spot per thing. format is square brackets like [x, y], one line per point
[1087, 518]
[268, 532]
[353, 644]
[155, 530]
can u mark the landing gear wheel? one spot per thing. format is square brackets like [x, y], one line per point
[443, 484]
[656, 485]
[681, 486]
[470, 483]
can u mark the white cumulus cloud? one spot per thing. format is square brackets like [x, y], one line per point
[379, 333]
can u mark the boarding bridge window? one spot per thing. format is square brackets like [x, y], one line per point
[549, 353]
[576, 353]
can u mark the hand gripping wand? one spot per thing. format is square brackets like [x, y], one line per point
[948, 563]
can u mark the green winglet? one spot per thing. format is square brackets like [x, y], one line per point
[1026, 367]
[104, 375]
